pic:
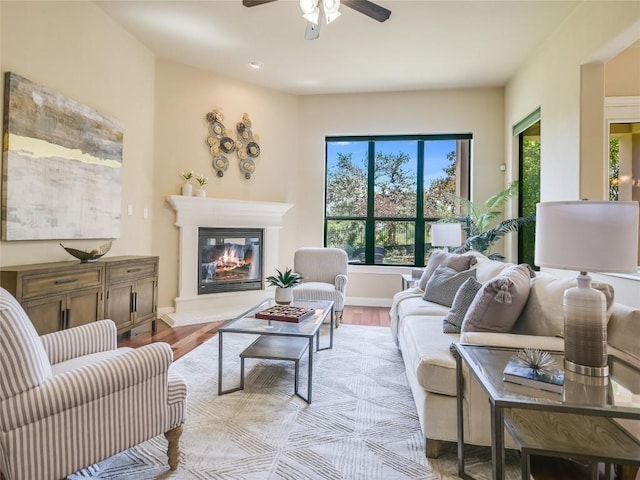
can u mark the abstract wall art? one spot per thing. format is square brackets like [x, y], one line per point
[61, 166]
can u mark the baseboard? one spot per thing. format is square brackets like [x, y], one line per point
[368, 302]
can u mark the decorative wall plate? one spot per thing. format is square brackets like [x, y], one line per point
[220, 164]
[227, 144]
[253, 149]
[217, 129]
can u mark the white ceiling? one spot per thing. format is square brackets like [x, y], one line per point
[424, 45]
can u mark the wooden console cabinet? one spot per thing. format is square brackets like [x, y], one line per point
[67, 294]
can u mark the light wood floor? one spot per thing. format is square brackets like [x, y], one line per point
[186, 338]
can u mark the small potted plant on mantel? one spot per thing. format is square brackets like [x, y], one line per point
[284, 283]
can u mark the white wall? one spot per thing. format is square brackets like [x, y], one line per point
[476, 111]
[551, 80]
[78, 51]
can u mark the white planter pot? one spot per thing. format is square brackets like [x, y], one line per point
[284, 296]
[187, 189]
[202, 192]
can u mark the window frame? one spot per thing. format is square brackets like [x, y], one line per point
[419, 221]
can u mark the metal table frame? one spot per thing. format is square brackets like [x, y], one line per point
[308, 328]
[498, 402]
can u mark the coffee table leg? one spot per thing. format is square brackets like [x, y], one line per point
[220, 363]
[497, 442]
[309, 378]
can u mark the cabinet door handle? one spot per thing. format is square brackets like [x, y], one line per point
[135, 301]
[66, 280]
[65, 318]
[133, 270]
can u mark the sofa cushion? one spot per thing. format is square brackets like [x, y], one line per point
[499, 302]
[444, 284]
[417, 306]
[437, 258]
[427, 349]
[543, 313]
[461, 302]
[624, 330]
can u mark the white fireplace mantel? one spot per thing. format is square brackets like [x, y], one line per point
[193, 213]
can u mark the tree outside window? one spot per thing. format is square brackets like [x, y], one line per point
[382, 193]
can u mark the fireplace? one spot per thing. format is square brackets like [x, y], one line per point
[194, 213]
[230, 260]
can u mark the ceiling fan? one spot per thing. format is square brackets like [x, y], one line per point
[314, 9]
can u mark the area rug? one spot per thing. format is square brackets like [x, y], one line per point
[361, 425]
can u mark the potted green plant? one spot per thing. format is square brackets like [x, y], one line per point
[284, 283]
[481, 235]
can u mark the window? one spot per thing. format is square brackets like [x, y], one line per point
[383, 192]
[529, 148]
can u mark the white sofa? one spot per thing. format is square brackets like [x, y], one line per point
[417, 328]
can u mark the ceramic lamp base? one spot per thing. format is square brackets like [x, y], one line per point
[585, 329]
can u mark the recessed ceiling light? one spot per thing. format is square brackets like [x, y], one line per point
[257, 65]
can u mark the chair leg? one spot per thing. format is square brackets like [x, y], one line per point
[173, 451]
[338, 318]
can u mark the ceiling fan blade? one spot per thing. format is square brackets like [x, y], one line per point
[253, 3]
[312, 31]
[368, 8]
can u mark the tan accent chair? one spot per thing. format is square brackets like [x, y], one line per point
[71, 398]
[324, 276]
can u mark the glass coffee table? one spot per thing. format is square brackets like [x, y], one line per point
[577, 423]
[279, 340]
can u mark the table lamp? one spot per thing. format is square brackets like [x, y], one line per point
[446, 234]
[587, 236]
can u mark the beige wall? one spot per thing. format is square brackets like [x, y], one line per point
[551, 80]
[76, 50]
[478, 111]
[184, 95]
[622, 73]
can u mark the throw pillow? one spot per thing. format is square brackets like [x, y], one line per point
[461, 302]
[543, 313]
[499, 302]
[458, 262]
[444, 283]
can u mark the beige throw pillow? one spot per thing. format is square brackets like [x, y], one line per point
[458, 262]
[543, 313]
[498, 304]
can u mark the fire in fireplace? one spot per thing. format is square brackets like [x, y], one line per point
[230, 260]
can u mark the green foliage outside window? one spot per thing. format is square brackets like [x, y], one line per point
[392, 214]
[614, 168]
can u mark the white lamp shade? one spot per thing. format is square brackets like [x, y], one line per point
[587, 236]
[446, 234]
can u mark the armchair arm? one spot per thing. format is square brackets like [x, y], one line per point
[341, 282]
[85, 384]
[74, 342]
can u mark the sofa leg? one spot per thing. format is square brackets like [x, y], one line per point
[173, 451]
[432, 448]
[338, 318]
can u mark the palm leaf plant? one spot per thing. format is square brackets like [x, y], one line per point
[286, 279]
[481, 235]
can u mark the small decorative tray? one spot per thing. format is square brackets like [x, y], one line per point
[285, 313]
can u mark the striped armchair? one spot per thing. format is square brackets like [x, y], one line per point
[324, 276]
[72, 398]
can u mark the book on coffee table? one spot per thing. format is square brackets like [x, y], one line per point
[285, 313]
[551, 379]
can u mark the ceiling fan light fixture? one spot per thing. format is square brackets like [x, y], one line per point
[331, 9]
